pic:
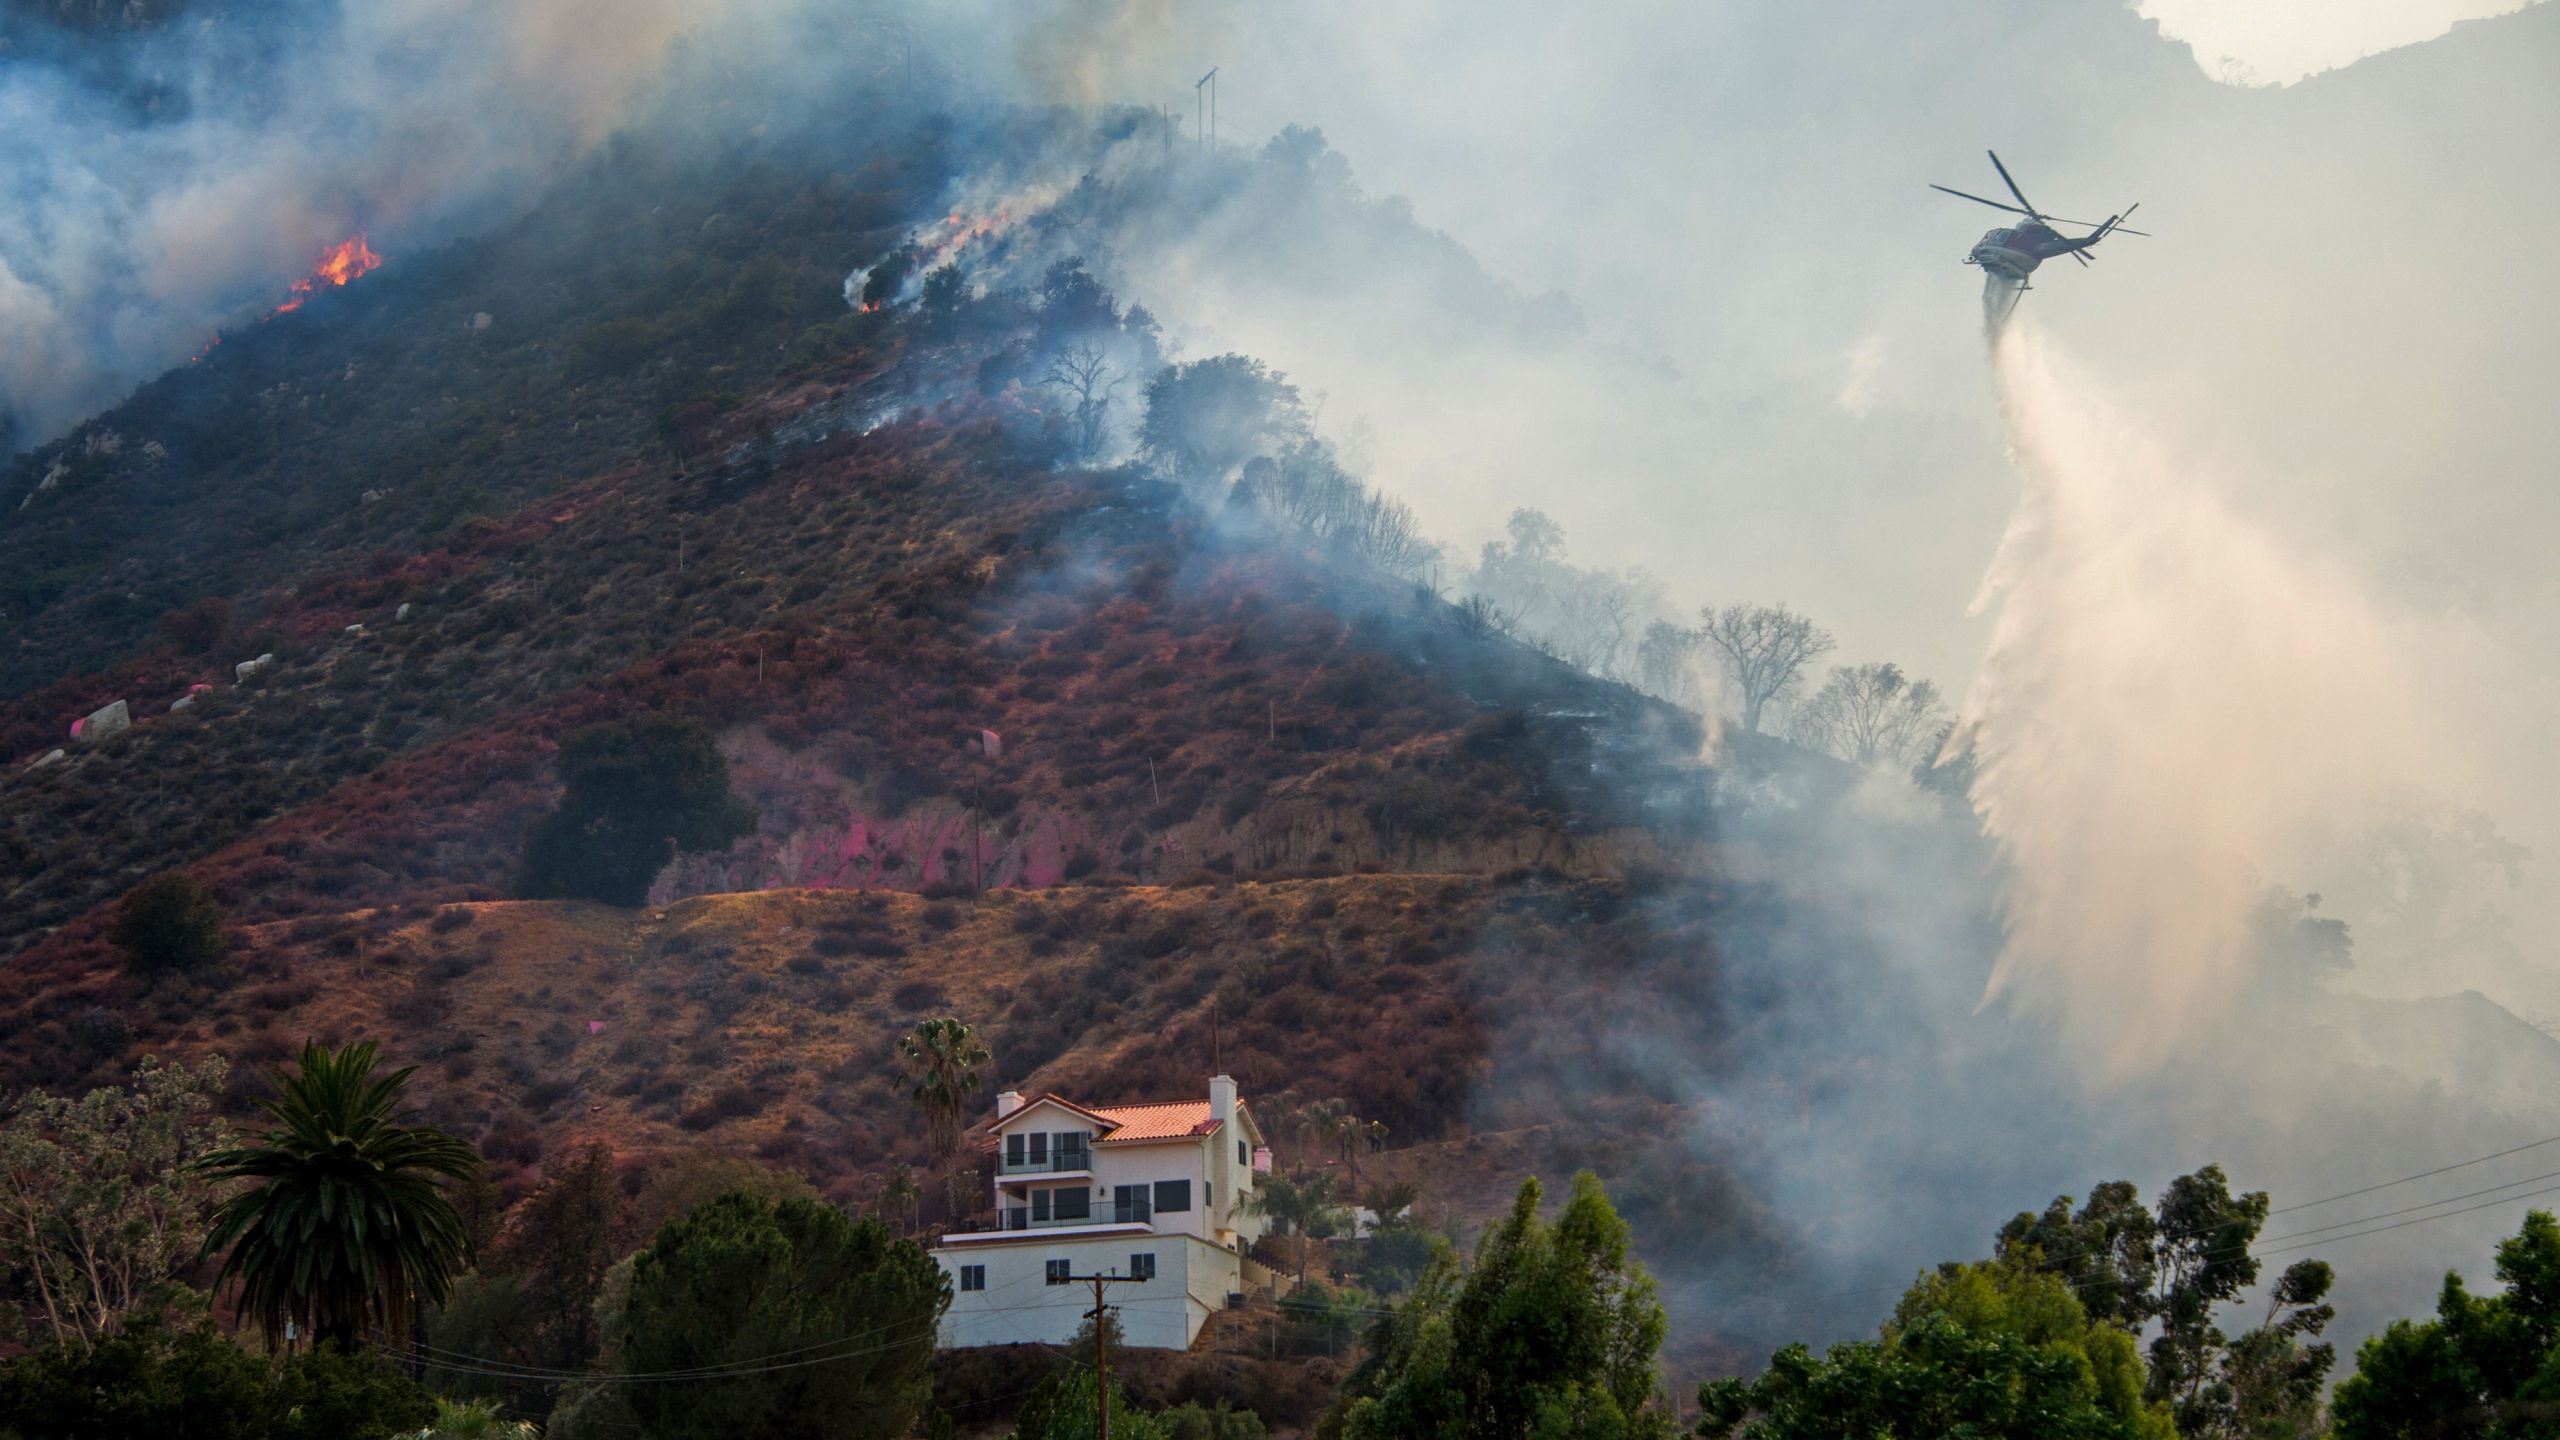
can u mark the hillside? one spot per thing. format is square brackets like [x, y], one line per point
[1410, 864]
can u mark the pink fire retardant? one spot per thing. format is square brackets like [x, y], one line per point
[992, 742]
[595, 1027]
[79, 725]
[198, 688]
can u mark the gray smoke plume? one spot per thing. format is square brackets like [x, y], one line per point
[163, 181]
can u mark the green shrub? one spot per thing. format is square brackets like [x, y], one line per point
[170, 923]
[639, 791]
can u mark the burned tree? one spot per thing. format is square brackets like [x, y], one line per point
[1764, 649]
[1870, 714]
[1082, 373]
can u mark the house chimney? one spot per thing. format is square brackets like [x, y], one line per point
[1222, 1098]
[1007, 1101]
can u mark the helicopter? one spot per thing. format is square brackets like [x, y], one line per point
[2009, 255]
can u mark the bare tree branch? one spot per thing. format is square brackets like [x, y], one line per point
[1765, 649]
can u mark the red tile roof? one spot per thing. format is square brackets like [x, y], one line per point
[1054, 1098]
[1175, 1121]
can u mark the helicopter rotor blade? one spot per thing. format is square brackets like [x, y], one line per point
[2119, 228]
[2012, 184]
[1978, 200]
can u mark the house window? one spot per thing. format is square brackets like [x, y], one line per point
[1071, 1151]
[1243, 1156]
[1040, 1204]
[1172, 1196]
[973, 1277]
[1075, 1204]
[1039, 1147]
[1142, 1266]
[1013, 1149]
[1059, 1272]
[1130, 1205]
[1209, 1193]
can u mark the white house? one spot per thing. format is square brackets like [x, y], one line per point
[1147, 1192]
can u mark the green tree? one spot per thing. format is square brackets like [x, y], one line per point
[101, 1205]
[2178, 1265]
[346, 1227]
[2486, 1368]
[531, 1304]
[190, 1382]
[1992, 1350]
[170, 923]
[942, 1058]
[1300, 1205]
[1208, 417]
[1065, 1407]
[745, 1278]
[561, 1241]
[2272, 1376]
[637, 793]
[1551, 1333]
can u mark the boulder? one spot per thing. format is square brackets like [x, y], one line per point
[355, 630]
[247, 668]
[50, 757]
[183, 702]
[108, 719]
[402, 613]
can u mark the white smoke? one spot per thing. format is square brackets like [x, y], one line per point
[2177, 708]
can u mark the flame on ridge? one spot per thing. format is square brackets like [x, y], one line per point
[339, 264]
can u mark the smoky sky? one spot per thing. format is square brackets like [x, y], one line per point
[1781, 394]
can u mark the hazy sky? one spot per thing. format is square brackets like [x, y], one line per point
[2276, 42]
[2335, 339]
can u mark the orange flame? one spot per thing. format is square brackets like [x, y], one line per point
[339, 264]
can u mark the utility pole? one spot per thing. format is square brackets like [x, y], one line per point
[1209, 108]
[1101, 1350]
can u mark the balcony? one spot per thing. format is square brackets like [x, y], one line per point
[1063, 1162]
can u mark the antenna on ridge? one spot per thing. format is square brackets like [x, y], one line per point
[1207, 110]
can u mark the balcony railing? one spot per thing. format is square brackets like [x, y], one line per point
[1017, 1217]
[1060, 1163]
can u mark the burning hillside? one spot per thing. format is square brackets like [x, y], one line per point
[348, 260]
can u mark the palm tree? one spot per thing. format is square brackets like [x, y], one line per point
[1390, 1199]
[942, 1059]
[472, 1420]
[347, 1228]
[901, 1196]
[1320, 1124]
[1298, 1203]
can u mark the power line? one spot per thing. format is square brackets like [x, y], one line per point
[2421, 1175]
[2410, 1209]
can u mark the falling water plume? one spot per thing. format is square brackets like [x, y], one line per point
[2174, 702]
